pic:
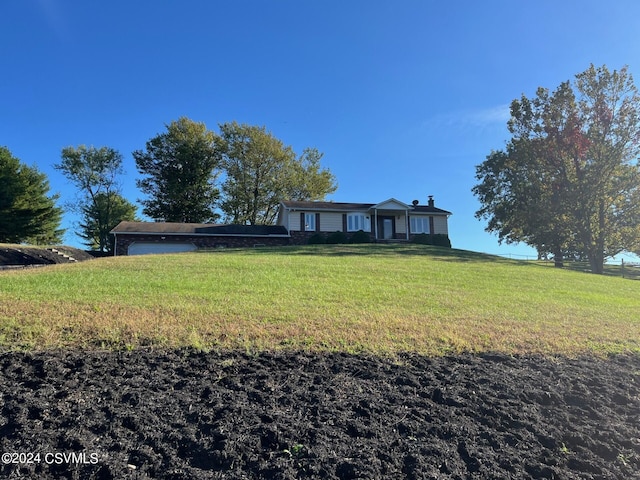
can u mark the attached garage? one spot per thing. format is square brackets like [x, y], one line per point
[142, 238]
[145, 248]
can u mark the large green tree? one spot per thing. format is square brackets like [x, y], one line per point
[95, 173]
[260, 172]
[27, 212]
[180, 167]
[569, 179]
[96, 232]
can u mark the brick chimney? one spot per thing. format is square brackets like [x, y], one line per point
[431, 202]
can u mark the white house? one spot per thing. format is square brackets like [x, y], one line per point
[387, 220]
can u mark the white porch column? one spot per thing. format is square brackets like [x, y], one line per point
[375, 214]
[407, 224]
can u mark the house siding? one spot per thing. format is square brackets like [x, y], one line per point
[333, 217]
[440, 225]
[333, 222]
[283, 218]
[294, 221]
[329, 221]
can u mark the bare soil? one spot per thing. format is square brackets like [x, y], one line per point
[184, 414]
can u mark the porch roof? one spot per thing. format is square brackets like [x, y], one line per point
[391, 204]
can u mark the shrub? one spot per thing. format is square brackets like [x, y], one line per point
[317, 239]
[422, 239]
[441, 240]
[360, 237]
[337, 237]
[437, 240]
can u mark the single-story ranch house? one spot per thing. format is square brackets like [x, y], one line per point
[388, 220]
[297, 223]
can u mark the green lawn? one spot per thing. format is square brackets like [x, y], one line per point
[372, 298]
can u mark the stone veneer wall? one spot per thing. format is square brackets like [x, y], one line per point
[300, 238]
[123, 241]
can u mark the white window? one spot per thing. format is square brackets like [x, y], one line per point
[419, 224]
[309, 222]
[358, 221]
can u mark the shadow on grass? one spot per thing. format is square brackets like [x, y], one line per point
[384, 250]
[630, 272]
[439, 254]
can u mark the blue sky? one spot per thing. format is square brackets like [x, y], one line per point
[404, 98]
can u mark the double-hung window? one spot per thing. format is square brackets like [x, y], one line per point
[358, 221]
[419, 224]
[309, 222]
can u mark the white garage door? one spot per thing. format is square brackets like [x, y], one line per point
[141, 248]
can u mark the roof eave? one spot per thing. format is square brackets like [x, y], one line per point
[188, 234]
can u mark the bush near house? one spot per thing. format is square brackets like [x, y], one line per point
[317, 239]
[337, 237]
[360, 237]
[437, 240]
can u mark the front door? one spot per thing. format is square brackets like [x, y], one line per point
[387, 228]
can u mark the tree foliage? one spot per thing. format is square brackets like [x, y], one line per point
[95, 231]
[181, 167]
[261, 172]
[568, 181]
[95, 173]
[27, 213]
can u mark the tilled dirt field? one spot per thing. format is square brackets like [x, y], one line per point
[191, 415]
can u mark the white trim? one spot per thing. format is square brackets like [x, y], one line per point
[376, 218]
[309, 226]
[406, 223]
[422, 222]
[365, 219]
[402, 204]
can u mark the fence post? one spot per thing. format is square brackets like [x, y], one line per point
[623, 268]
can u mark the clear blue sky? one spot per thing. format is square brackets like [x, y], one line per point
[404, 98]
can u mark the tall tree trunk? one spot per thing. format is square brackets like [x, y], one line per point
[558, 258]
[596, 259]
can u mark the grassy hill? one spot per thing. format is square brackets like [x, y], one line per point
[372, 298]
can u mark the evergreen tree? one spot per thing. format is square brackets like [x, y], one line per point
[27, 213]
[96, 232]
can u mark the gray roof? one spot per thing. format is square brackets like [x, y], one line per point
[171, 228]
[327, 205]
[350, 207]
[428, 209]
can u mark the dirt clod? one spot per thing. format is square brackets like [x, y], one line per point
[191, 415]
